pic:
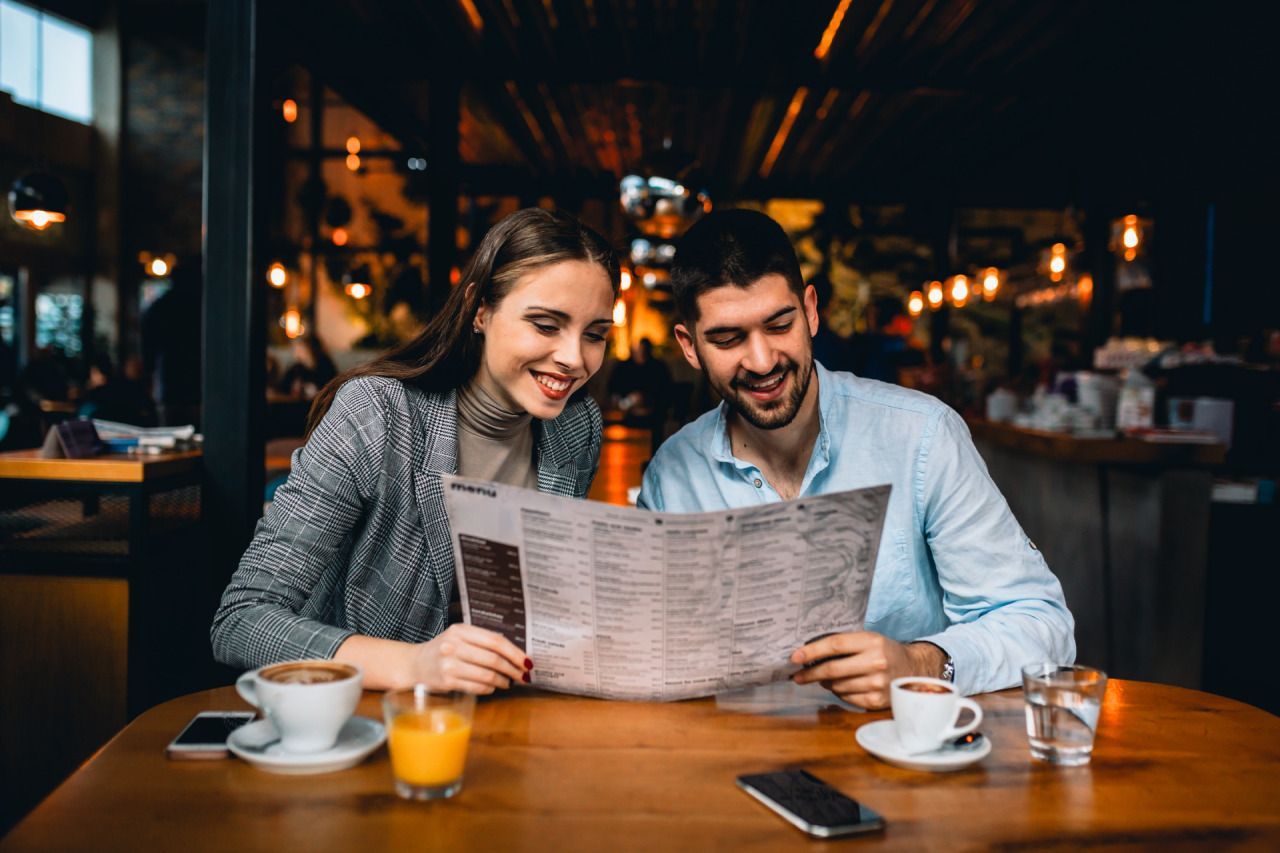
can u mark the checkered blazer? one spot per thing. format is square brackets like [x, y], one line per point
[357, 540]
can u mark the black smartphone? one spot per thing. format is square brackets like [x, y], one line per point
[206, 735]
[811, 805]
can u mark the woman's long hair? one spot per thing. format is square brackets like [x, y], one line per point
[447, 352]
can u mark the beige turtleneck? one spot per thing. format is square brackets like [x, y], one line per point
[493, 443]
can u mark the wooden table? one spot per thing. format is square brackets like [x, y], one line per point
[1172, 767]
[82, 603]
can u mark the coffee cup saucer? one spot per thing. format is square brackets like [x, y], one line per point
[359, 737]
[880, 738]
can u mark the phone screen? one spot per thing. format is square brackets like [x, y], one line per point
[806, 797]
[212, 729]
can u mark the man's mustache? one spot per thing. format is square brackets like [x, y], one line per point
[748, 378]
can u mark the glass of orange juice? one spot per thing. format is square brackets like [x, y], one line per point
[427, 734]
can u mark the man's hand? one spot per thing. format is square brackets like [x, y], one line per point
[858, 666]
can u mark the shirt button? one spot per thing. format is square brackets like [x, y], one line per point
[758, 482]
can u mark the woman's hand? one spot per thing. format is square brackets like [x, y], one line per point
[469, 659]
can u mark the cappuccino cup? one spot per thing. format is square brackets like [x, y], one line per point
[308, 701]
[925, 712]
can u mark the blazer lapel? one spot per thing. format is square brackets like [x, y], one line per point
[557, 474]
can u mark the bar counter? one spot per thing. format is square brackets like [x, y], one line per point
[1124, 524]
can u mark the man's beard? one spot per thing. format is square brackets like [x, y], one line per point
[774, 414]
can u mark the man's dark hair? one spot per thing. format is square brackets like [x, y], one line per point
[736, 247]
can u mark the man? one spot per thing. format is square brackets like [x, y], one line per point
[959, 591]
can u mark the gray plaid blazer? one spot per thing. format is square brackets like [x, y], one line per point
[357, 540]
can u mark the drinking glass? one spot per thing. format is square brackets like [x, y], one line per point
[428, 734]
[1063, 704]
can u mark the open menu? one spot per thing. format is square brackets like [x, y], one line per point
[622, 603]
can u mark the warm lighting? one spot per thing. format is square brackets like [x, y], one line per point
[619, 313]
[290, 110]
[1057, 261]
[159, 267]
[1084, 287]
[353, 162]
[625, 282]
[353, 145]
[784, 130]
[38, 200]
[1131, 237]
[915, 303]
[291, 321]
[990, 283]
[829, 34]
[277, 275]
[934, 294]
[959, 290]
[455, 276]
[356, 290]
[473, 15]
[340, 236]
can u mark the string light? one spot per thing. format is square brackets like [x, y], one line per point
[277, 275]
[290, 110]
[1131, 237]
[619, 313]
[959, 290]
[1084, 287]
[159, 267]
[353, 145]
[625, 280]
[915, 303]
[340, 236]
[990, 283]
[358, 290]
[353, 162]
[291, 321]
[934, 294]
[1057, 261]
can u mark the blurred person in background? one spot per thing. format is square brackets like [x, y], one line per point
[312, 370]
[641, 387]
[171, 347]
[117, 396]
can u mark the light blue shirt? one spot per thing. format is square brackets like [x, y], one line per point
[954, 566]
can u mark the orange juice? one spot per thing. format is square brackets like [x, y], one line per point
[429, 747]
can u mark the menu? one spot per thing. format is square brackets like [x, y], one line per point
[622, 603]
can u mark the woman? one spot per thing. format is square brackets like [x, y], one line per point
[354, 559]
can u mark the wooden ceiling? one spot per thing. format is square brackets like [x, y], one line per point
[1019, 102]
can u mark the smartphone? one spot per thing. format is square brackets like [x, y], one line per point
[206, 735]
[811, 805]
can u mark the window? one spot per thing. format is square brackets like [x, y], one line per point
[58, 322]
[46, 62]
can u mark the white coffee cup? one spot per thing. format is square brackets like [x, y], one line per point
[308, 701]
[925, 711]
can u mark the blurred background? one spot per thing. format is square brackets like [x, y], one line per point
[1057, 217]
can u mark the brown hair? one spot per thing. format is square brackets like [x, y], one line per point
[738, 247]
[447, 352]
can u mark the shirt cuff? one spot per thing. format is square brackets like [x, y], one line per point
[966, 658]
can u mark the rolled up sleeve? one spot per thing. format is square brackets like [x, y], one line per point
[1005, 606]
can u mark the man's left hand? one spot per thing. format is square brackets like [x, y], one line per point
[858, 666]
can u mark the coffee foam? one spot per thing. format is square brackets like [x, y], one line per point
[307, 673]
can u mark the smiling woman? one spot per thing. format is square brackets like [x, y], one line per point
[353, 560]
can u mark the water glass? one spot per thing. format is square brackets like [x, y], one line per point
[428, 734]
[1063, 705]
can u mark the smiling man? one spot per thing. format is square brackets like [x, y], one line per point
[959, 592]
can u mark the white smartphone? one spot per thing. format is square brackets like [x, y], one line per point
[811, 805]
[206, 735]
